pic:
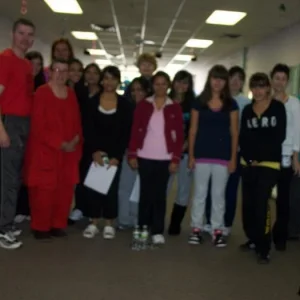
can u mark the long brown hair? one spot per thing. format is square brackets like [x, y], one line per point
[217, 71]
[62, 41]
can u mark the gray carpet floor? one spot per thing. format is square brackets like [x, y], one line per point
[79, 269]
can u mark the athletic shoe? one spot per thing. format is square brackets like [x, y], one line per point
[248, 246]
[158, 239]
[8, 241]
[91, 231]
[195, 237]
[76, 215]
[109, 233]
[219, 240]
[263, 259]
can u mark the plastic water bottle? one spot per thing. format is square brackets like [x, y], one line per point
[144, 237]
[136, 238]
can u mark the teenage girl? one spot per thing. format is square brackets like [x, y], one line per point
[106, 136]
[182, 92]
[263, 130]
[213, 143]
[128, 210]
[155, 149]
[85, 93]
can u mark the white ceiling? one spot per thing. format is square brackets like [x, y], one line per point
[169, 23]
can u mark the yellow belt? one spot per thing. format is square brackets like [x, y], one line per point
[266, 164]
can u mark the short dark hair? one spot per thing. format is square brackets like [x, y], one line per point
[113, 71]
[280, 68]
[161, 74]
[76, 61]
[236, 70]
[22, 21]
[259, 80]
[58, 61]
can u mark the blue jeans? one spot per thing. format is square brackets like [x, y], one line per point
[230, 197]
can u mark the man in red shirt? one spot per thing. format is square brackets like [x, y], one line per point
[16, 94]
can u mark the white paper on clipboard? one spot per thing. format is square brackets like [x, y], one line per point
[99, 178]
[135, 194]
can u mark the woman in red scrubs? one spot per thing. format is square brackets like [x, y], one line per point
[53, 154]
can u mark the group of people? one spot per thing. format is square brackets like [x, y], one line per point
[57, 121]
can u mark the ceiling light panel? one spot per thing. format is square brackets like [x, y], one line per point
[195, 43]
[96, 51]
[65, 6]
[84, 35]
[103, 62]
[225, 17]
[183, 57]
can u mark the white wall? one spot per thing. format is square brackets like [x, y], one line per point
[282, 47]
[5, 40]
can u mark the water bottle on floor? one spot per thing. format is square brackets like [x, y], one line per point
[136, 239]
[144, 237]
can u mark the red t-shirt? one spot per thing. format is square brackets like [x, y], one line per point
[17, 78]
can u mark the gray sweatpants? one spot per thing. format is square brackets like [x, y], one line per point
[127, 210]
[184, 182]
[219, 176]
[11, 162]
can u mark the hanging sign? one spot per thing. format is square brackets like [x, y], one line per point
[24, 9]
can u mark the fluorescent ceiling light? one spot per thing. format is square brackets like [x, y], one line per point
[103, 62]
[148, 42]
[65, 6]
[183, 57]
[84, 35]
[224, 17]
[194, 43]
[174, 67]
[96, 51]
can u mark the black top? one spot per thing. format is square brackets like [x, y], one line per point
[186, 106]
[261, 137]
[107, 132]
[213, 138]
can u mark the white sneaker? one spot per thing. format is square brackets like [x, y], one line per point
[8, 241]
[158, 239]
[20, 218]
[226, 231]
[109, 233]
[91, 231]
[76, 215]
[207, 228]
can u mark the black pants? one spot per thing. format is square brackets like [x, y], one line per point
[23, 202]
[11, 162]
[294, 223]
[280, 229]
[154, 177]
[257, 185]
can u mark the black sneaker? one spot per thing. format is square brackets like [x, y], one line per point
[8, 241]
[263, 259]
[195, 237]
[219, 239]
[248, 246]
[15, 230]
[280, 247]
[42, 235]
[59, 233]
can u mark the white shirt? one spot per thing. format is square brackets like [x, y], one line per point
[292, 140]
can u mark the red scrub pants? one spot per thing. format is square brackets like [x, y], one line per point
[50, 208]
